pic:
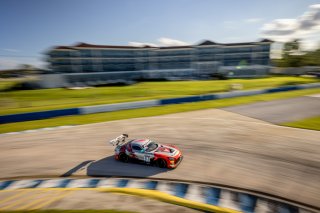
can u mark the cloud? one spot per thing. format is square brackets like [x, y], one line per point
[253, 20]
[11, 50]
[160, 42]
[280, 27]
[171, 42]
[310, 20]
[312, 42]
[141, 44]
[283, 30]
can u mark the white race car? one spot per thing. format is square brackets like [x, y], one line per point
[147, 151]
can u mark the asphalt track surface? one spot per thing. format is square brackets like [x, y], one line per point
[281, 111]
[219, 147]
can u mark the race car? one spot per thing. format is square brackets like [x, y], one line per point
[146, 151]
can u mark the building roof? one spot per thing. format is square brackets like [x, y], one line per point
[239, 44]
[206, 42]
[63, 48]
[106, 46]
[248, 43]
[175, 47]
[266, 40]
[203, 43]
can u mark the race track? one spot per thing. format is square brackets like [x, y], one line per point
[281, 111]
[219, 147]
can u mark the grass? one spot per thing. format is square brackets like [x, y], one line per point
[47, 99]
[308, 123]
[7, 83]
[67, 211]
[153, 111]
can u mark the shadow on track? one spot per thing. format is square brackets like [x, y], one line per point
[108, 166]
[76, 168]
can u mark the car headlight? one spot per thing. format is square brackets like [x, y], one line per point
[171, 159]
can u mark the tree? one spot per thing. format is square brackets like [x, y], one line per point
[27, 67]
[291, 55]
[292, 47]
[312, 58]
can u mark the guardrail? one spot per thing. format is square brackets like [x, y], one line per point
[38, 115]
[143, 104]
[205, 197]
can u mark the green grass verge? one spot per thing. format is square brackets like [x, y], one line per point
[48, 99]
[308, 123]
[6, 83]
[67, 211]
[153, 111]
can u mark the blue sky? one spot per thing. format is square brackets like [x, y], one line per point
[29, 27]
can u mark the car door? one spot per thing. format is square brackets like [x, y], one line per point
[137, 151]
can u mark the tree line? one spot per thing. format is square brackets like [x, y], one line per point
[293, 56]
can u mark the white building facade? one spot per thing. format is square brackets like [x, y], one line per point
[201, 61]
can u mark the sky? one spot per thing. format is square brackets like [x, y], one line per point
[29, 28]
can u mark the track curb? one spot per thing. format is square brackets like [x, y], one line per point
[213, 195]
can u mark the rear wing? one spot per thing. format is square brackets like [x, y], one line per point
[119, 140]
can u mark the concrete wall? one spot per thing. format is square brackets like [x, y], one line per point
[294, 70]
[200, 71]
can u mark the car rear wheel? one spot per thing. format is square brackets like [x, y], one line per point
[161, 163]
[123, 157]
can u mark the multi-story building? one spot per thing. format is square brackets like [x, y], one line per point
[99, 64]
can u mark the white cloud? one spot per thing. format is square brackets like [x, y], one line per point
[310, 20]
[171, 42]
[305, 26]
[281, 30]
[11, 50]
[141, 44]
[311, 42]
[253, 20]
[161, 42]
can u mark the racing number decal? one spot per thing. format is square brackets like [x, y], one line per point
[147, 158]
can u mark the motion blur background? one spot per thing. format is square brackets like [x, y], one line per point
[234, 84]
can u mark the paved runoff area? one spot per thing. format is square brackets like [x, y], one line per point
[219, 147]
[281, 111]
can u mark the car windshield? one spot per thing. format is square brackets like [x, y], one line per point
[151, 146]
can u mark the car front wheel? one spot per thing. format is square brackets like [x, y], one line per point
[161, 163]
[123, 157]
